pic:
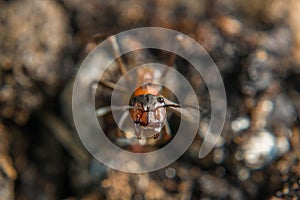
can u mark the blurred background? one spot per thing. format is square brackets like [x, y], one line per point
[256, 46]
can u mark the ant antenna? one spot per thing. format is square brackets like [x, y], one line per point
[179, 106]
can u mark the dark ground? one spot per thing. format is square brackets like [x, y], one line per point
[256, 46]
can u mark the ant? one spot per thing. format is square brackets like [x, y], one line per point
[147, 106]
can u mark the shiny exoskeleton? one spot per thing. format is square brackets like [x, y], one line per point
[148, 112]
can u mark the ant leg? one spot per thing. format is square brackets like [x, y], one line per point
[100, 112]
[116, 51]
[110, 85]
[107, 84]
[122, 120]
[172, 58]
[121, 65]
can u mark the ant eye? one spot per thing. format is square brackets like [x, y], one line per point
[160, 99]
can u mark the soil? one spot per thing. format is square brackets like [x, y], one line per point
[256, 46]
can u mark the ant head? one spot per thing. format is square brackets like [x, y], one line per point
[147, 109]
[148, 112]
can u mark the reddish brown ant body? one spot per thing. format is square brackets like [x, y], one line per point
[147, 106]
